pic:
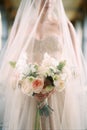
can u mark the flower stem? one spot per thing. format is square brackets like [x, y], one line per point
[37, 120]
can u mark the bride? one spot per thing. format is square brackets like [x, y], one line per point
[42, 33]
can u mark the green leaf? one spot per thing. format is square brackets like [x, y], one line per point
[13, 64]
[55, 77]
[51, 70]
[61, 65]
[49, 88]
[33, 74]
[31, 78]
[36, 66]
[46, 110]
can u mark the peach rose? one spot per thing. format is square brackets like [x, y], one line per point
[37, 85]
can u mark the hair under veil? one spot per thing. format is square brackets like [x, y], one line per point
[39, 29]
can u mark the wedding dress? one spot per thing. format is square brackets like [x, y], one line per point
[36, 33]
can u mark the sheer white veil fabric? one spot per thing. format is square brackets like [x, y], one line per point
[29, 35]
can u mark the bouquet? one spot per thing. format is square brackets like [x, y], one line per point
[40, 80]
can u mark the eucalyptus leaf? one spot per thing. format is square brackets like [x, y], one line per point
[46, 110]
[13, 64]
[61, 65]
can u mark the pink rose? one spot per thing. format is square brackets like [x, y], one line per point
[37, 85]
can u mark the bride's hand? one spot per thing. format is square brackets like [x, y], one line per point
[41, 97]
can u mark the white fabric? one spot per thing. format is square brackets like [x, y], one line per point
[41, 28]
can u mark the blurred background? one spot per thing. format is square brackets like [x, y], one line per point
[76, 10]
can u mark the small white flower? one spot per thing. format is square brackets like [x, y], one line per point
[22, 63]
[43, 70]
[32, 68]
[49, 61]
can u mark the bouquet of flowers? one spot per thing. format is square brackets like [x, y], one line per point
[40, 80]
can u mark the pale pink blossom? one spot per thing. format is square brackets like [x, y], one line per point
[26, 87]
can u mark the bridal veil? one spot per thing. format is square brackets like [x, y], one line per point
[29, 36]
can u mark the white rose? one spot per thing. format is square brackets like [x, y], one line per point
[60, 84]
[26, 87]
